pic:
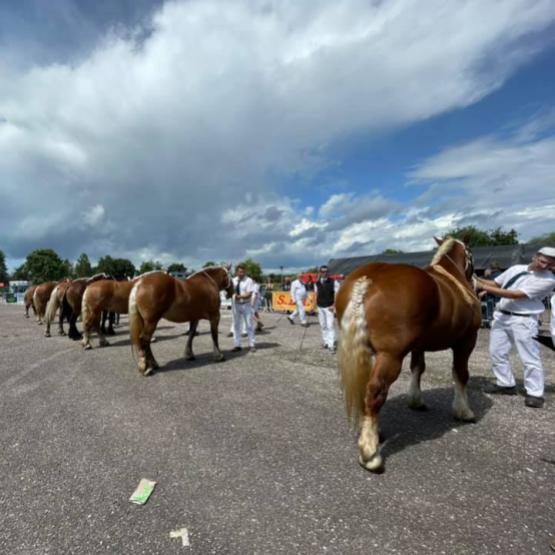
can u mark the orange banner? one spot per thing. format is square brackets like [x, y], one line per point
[282, 301]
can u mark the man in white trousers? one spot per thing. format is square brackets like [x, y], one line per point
[242, 308]
[522, 289]
[326, 289]
[298, 295]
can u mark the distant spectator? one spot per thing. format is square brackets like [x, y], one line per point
[298, 296]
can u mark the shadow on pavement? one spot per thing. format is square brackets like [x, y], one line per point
[402, 427]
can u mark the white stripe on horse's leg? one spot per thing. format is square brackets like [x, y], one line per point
[369, 444]
[461, 408]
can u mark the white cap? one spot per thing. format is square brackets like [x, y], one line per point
[547, 251]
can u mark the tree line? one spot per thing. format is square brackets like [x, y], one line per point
[43, 265]
[46, 265]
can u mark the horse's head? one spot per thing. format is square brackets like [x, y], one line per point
[228, 282]
[457, 253]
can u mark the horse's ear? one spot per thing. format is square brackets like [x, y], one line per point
[438, 241]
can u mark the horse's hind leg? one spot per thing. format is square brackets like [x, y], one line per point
[385, 371]
[417, 367]
[146, 336]
[461, 408]
[189, 348]
[214, 323]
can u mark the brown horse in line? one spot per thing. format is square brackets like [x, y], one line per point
[72, 300]
[41, 296]
[386, 311]
[158, 295]
[103, 295]
[28, 300]
[54, 303]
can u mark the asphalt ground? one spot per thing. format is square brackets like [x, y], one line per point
[255, 455]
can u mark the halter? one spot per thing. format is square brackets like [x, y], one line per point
[467, 259]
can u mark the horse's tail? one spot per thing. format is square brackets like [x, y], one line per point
[52, 306]
[136, 322]
[354, 353]
[85, 312]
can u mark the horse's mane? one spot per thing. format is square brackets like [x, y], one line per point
[150, 272]
[96, 277]
[207, 268]
[443, 249]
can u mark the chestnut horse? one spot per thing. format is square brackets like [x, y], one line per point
[41, 296]
[28, 300]
[386, 311]
[103, 295]
[157, 295]
[54, 303]
[72, 301]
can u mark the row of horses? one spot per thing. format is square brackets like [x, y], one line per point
[147, 299]
[384, 312]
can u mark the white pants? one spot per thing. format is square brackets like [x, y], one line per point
[326, 319]
[242, 312]
[300, 311]
[507, 331]
[552, 322]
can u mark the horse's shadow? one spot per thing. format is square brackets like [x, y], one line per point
[401, 427]
[127, 342]
[207, 358]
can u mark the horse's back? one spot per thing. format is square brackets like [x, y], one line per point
[154, 294]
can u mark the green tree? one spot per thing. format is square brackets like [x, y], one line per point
[392, 251]
[118, 268]
[253, 269]
[83, 266]
[3, 269]
[208, 264]
[45, 265]
[177, 267]
[149, 266]
[21, 272]
[547, 240]
[475, 237]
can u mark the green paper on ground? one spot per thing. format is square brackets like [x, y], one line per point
[142, 493]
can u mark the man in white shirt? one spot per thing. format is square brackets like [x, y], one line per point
[522, 289]
[242, 308]
[298, 295]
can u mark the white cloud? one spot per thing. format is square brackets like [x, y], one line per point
[182, 137]
[94, 216]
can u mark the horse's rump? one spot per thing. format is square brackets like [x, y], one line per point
[108, 295]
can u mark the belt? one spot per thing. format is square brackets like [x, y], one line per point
[508, 313]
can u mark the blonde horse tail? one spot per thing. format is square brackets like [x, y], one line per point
[85, 312]
[52, 306]
[354, 353]
[136, 322]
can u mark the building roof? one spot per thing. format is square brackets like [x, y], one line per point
[484, 257]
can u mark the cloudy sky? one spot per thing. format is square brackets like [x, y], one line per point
[291, 131]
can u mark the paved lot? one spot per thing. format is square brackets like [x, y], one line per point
[254, 455]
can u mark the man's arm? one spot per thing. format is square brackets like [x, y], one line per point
[492, 288]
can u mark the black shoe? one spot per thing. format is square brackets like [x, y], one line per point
[291, 320]
[236, 349]
[324, 346]
[534, 402]
[494, 389]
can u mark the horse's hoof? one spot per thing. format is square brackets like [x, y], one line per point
[62, 333]
[87, 347]
[148, 371]
[153, 339]
[47, 334]
[374, 464]
[103, 343]
[465, 417]
[220, 358]
[422, 407]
